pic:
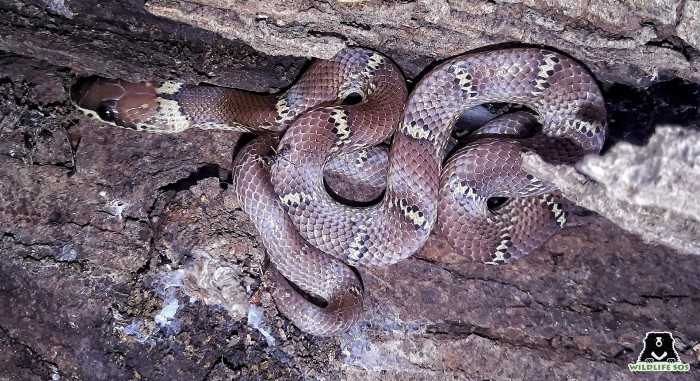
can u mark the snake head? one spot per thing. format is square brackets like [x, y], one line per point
[117, 102]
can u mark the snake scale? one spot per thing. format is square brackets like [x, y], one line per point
[311, 238]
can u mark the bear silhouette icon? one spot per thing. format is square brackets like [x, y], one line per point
[658, 347]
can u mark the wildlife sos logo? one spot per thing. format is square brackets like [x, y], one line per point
[658, 355]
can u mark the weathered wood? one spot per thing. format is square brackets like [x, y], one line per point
[124, 255]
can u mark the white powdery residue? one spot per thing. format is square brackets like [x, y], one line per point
[167, 314]
[58, 7]
[255, 315]
[171, 282]
[134, 330]
[117, 207]
[55, 375]
[68, 254]
[359, 350]
[208, 279]
[215, 281]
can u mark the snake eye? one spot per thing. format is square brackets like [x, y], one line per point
[107, 113]
[353, 99]
[494, 203]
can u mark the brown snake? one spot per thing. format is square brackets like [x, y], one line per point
[281, 185]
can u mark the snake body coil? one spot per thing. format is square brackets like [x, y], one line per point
[300, 223]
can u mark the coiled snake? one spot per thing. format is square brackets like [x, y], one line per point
[309, 235]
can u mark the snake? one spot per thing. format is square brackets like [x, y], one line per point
[336, 115]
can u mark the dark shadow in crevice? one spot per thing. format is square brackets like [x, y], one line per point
[633, 113]
[201, 173]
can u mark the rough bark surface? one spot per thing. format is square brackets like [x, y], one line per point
[124, 256]
[629, 41]
[639, 187]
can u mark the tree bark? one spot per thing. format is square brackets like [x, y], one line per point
[124, 255]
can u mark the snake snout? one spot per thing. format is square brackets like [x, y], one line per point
[126, 104]
[98, 97]
[76, 91]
